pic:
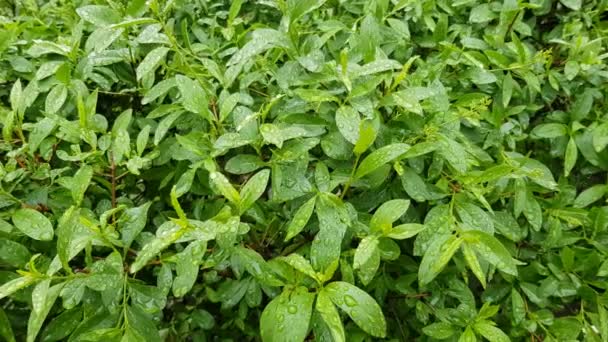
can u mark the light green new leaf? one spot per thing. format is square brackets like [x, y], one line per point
[287, 317]
[359, 306]
[300, 264]
[380, 157]
[328, 312]
[405, 231]
[253, 189]
[467, 336]
[33, 224]
[438, 254]
[300, 219]
[387, 213]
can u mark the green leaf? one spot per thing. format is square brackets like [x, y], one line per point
[164, 126]
[155, 246]
[287, 317]
[15, 285]
[489, 248]
[61, 326]
[326, 246]
[549, 130]
[98, 15]
[300, 219]
[56, 98]
[330, 316]
[243, 163]
[348, 122]
[405, 231]
[518, 307]
[194, 98]
[359, 306]
[467, 336]
[600, 137]
[438, 255]
[440, 330]
[572, 4]
[322, 177]
[590, 195]
[222, 184]
[14, 253]
[33, 224]
[6, 331]
[299, 263]
[380, 157]
[367, 259]
[43, 298]
[160, 89]
[41, 130]
[132, 222]
[80, 182]
[603, 318]
[16, 96]
[387, 214]
[571, 156]
[507, 89]
[490, 332]
[367, 136]
[473, 263]
[121, 144]
[151, 62]
[186, 267]
[253, 189]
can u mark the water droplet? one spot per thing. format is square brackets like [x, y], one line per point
[350, 301]
[292, 309]
[281, 318]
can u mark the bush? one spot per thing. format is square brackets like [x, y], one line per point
[297, 170]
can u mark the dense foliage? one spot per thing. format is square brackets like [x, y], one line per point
[282, 170]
